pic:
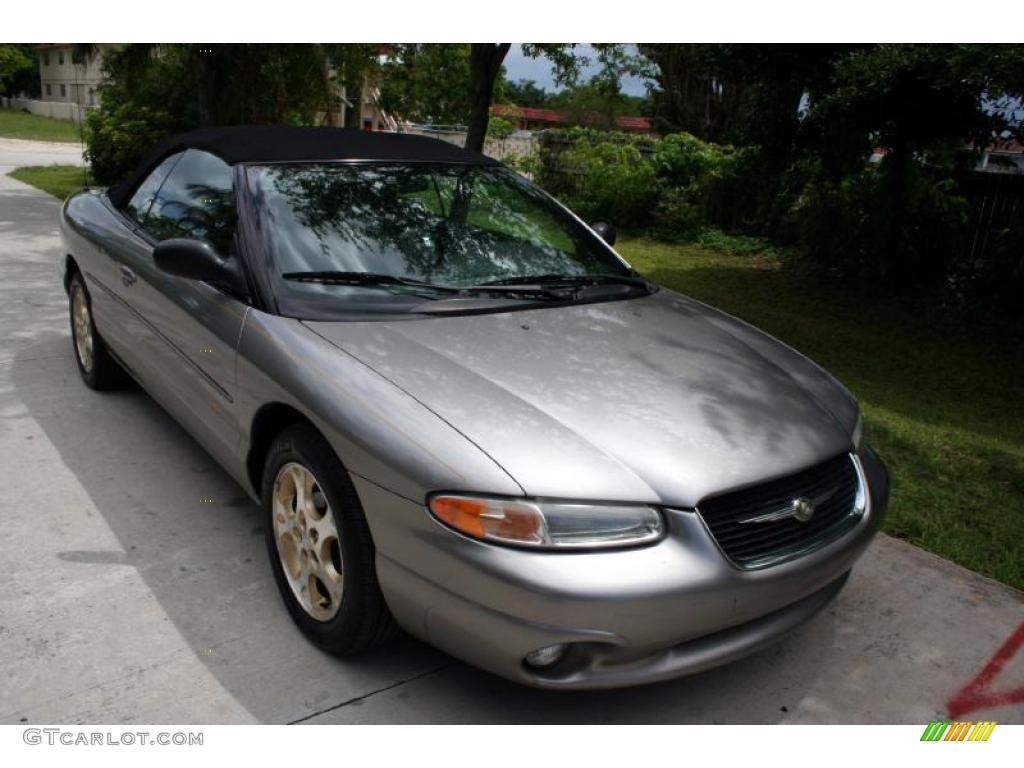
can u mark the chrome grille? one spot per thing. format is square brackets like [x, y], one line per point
[760, 525]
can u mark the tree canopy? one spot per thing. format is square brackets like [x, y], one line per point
[154, 90]
[428, 83]
[804, 120]
[19, 71]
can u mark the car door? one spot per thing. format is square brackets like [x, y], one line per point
[186, 331]
[124, 333]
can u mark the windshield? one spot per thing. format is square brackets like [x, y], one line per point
[340, 232]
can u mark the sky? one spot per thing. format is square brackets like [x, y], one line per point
[519, 67]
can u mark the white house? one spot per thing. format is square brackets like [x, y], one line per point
[1002, 156]
[71, 73]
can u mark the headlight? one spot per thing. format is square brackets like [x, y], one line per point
[548, 525]
[858, 433]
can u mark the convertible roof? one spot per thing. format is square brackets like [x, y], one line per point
[286, 143]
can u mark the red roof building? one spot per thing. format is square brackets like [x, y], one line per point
[532, 118]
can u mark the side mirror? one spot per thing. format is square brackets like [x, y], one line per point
[605, 231]
[198, 260]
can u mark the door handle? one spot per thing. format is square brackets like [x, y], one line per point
[128, 276]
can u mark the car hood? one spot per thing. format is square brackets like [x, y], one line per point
[659, 399]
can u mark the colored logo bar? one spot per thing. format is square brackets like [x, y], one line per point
[938, 730]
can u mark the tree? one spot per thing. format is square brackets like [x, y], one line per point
[616, 62]
[147, 94]
[526, 93]
[596, 102]
[737, 93]
[456, 84]
[499, 128]
[910, 99]
[18, 70]
[153, 90]
[350, 66]
[746, 95]
[484, 66]
[593, 104]
[916, 102]
[265, 83]
[428, 83]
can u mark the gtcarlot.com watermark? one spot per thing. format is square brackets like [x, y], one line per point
[79, 738]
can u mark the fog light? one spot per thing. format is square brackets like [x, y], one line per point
[546, 656]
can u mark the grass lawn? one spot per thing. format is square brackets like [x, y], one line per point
[15, 124]
[943, 402]
[59, 180]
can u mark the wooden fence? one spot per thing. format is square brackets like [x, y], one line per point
[996, 205]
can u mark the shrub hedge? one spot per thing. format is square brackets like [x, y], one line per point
[902, 228]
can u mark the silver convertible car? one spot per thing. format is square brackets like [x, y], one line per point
[463, 413]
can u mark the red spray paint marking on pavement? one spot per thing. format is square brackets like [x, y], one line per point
[975, 695]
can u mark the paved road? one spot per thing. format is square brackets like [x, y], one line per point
[123, 599]
[15, 153]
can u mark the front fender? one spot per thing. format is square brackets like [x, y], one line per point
[378, 431]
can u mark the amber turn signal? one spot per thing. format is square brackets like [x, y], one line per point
[512, 521]
[544, 524]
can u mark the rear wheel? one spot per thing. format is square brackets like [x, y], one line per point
[320, 546]
[98, 368]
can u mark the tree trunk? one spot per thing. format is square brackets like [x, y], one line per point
[484, 65]
[332, 113]
[200, 74]
[354, 94]
[896, 263]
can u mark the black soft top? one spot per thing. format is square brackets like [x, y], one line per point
[287, 143]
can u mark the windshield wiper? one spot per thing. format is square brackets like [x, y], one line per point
[532, 288]
[373, 279]
[365, 278]
[525, 291]
[569, 280]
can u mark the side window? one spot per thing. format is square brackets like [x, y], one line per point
[138, 206]
[197, 201]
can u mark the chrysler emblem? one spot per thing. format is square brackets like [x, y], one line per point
[803, 510]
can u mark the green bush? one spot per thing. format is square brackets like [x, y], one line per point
[898, 224]
[683, 160]
[709, 181]
[677, 217]
[734, 244]
[499, 128]
[148, 93]
[864, 225]
[677, 186]
[601, 175]
[990, 285]
[117, 138]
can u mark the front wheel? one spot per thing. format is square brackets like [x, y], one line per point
[320, 545]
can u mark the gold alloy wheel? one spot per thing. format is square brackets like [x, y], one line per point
[307, 541]
[82, 326]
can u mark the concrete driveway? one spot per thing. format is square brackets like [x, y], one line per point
[124, 599]
[15, 153]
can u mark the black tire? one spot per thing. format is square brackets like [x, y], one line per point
[99, 370]
[362, 621]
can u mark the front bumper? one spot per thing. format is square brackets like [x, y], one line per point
[633, 616]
